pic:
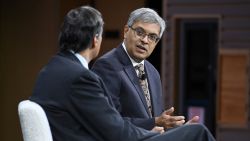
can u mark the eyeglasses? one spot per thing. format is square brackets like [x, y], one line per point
[140, 32]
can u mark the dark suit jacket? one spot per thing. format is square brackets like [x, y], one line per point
[77, 104]
[119, 76]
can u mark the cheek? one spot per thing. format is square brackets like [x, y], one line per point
[151, 49]
[131, 43]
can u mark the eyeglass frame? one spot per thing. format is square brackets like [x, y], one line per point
[144, 34]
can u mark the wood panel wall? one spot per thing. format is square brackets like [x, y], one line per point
[233, 86]
[234, 28]
[234, 33]
[233, 95]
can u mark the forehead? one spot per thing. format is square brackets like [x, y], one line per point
[148, 27]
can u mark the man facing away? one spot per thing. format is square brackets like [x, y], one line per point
[137, 92]
[75, 99]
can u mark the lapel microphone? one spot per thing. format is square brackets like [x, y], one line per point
[143, 76]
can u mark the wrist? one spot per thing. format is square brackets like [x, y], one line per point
[157, 121]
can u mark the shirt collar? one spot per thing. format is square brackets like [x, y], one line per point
[131, 59]
[82, 60]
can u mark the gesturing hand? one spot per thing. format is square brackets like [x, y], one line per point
[166, 120]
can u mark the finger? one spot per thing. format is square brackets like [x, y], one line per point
[195, 119]
[170, 124]
[158, 129]
[179, 123]
[173, 123]
[162, 131]
[173, 118]
[169, 111]
[177, 118]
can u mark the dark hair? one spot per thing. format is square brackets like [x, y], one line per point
[79, 27]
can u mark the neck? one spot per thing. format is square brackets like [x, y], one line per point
[85, 55]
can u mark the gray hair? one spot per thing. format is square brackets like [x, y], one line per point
[146, 15]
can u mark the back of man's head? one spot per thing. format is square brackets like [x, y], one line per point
[79, 27]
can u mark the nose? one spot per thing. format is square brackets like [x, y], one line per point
[145, 39]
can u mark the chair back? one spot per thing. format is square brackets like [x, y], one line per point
[34, 122]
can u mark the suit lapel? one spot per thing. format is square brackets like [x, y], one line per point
[134, 80]
[130, 72]
[151, 87]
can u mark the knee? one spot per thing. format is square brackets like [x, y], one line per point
[200, 131]
[197, 127]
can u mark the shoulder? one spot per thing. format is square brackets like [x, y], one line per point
[64, 68]
[110, 60]
[66, 64]
[150, 68]
[117, 58]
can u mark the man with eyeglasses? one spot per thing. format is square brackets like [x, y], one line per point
[133, 82]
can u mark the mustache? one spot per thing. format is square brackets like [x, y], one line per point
[142, 47]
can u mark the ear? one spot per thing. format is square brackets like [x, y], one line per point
[95, 42]
[125, 31]
[95, 48]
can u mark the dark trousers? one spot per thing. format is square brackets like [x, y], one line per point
[190, 132]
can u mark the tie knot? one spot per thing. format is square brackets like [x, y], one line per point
[140, 67]
[141, 71]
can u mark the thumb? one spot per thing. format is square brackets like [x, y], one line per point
[169, 111]
[195, 119]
